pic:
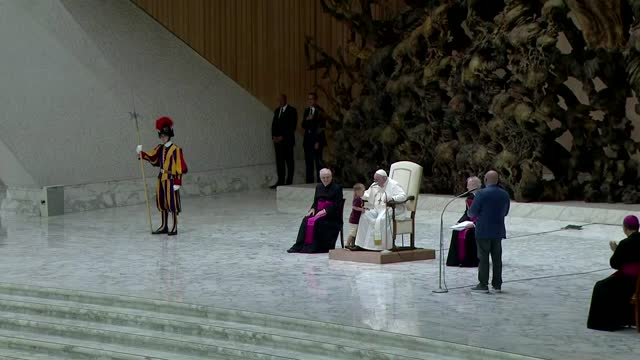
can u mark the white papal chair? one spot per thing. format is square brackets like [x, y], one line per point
[409, 177]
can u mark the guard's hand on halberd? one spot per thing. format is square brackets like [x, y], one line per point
[176, 187]
[138, 149]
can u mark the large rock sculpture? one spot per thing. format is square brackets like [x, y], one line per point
[461, 86]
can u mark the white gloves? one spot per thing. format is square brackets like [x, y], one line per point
[139, 149]
[176, 187]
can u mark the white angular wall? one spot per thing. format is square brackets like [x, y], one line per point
[69, 70]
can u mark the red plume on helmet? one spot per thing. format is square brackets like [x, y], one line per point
[165, 126]
[163, 122]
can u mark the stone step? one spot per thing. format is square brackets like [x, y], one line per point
[144, 339]
[14, 354]
[238, 327]
[331, 347]
[30, 346]
[194, 330]
[23, 355]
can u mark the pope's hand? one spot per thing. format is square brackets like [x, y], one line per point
[139, 149]
[176, 187]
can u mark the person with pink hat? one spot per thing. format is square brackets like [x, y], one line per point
[610, 307]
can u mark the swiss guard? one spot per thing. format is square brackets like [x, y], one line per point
[169, 158]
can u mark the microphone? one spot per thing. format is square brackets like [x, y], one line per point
[466, 193]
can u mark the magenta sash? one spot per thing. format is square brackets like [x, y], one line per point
[632, 269]
[462, 250]
[462, 236]
[311, 222]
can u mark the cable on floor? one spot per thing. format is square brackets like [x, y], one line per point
[540, 277]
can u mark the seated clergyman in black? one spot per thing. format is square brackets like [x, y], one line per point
[610, 303]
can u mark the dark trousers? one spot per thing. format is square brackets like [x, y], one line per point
[610, 307]
[313, 163]
[284, 161]
[491, 247]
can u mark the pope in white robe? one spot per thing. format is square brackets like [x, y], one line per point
[376, 225]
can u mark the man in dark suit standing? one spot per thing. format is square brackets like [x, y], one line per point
[314, 138]
[283, 128]
[490, 206]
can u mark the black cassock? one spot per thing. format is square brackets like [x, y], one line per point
[325, 230]
[463, 250]
[610, 303]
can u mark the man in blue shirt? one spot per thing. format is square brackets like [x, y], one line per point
[490, 206]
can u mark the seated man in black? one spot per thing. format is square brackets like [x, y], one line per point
[610, 303]
[320, 227]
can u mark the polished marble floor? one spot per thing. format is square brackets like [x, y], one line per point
[231, 253]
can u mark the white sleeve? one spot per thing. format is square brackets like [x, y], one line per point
[398, 194]
[367, 193]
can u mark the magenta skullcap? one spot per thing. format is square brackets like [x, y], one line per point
[631, 222]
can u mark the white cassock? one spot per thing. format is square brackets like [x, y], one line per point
[374, 229]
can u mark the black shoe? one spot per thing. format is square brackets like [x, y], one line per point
[480, 288]
[172, 233]
[497, 289]
[160, 231]
[292, 250]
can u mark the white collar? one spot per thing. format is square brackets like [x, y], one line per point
[284, 107]
[168, 144]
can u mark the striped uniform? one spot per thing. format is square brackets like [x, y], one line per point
[172, 166]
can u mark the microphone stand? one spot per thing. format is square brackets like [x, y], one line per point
[441, 273]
